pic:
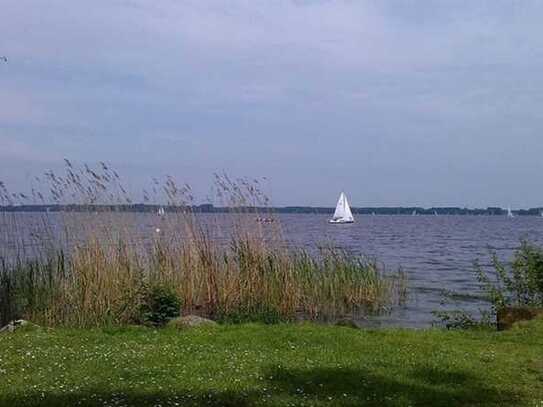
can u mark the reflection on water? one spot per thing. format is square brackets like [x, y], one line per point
[437, 252]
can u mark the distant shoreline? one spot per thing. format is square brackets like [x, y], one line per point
[207, 208]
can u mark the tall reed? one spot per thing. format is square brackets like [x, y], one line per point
[93, 268]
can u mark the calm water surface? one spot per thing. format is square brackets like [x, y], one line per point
[436, 252]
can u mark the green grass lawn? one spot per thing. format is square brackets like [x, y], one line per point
[280, 365]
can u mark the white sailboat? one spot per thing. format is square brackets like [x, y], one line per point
[161, 211]
[510, 213]
[343, 212]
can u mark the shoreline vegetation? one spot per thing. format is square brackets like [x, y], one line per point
[97, 289]
[94, 269]
[514, 291]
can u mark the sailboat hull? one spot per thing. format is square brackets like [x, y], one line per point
[340, 221]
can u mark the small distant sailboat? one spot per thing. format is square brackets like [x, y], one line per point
[161, 211]
[414, 213]
[343, 212]
[510, 213]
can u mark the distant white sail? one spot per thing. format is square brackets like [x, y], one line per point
[161, 211]
[510, 213]
[343, 212]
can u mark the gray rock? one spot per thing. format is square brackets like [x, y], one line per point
[508, 316]
[15, 325]
[190, 321]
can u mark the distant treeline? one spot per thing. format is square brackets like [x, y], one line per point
[207, 208]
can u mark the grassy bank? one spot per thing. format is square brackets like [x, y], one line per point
[279, 365]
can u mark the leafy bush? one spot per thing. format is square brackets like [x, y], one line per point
[520, 284]
[160, 304]
[515, 284]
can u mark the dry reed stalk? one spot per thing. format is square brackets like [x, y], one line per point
[93, 267]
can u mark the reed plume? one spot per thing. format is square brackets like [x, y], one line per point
[91, 263]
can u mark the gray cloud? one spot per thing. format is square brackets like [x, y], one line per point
[399, 102]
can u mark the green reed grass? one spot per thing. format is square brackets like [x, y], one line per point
[96, 270]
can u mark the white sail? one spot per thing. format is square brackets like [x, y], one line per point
[343, 212]
[510, 213]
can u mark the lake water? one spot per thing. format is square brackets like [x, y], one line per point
[436, 252]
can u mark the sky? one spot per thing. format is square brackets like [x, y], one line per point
[398, 102]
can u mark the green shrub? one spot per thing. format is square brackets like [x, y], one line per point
[461, 319]
[160, 304]
[517, 284]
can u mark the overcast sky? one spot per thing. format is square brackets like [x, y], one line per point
[397, 102]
